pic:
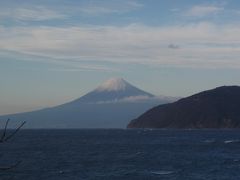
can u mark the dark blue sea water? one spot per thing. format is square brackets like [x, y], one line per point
[122, 154]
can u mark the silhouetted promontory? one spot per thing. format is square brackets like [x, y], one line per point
[216, 108]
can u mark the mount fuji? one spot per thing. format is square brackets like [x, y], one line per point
[112, 91]
[111, 105]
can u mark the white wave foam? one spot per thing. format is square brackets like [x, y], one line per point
[162, 172]
[231, 141]
[209, 141]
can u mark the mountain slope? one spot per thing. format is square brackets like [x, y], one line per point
[114, 89]
[112, 105]
[217, 108]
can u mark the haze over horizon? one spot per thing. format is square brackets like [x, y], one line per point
[54, 51]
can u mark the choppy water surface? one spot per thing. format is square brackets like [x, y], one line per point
[122, 154]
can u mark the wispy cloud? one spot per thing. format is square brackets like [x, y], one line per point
[34, 13]
[100, 8]
[141, 99]
[204, 45]
[203, 10]
[132, 99]
[59, 64]
[79, 67]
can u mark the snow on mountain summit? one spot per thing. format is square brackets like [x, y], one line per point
[112, 90]
[113, 84]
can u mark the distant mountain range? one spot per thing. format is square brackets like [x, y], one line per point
[216, 108]
[111, 105]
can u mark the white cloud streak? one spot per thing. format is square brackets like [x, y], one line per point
[141, 99]
[36, 13]
[132, 99]
[33, 12]
[118, 7]
[203, 45]
[202, 11]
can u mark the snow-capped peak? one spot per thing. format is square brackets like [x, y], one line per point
[113, 84]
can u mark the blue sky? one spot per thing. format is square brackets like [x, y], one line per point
[53, 51]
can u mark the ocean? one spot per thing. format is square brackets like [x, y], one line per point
[118, 154]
